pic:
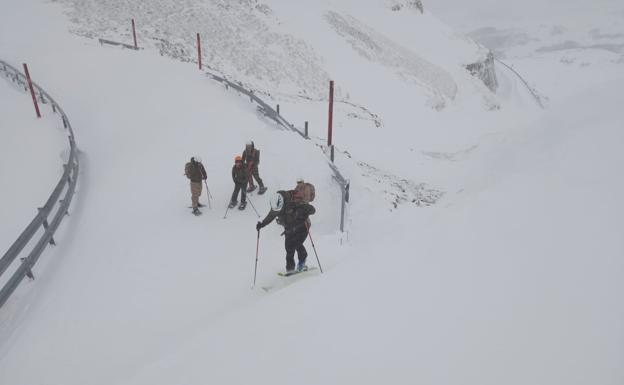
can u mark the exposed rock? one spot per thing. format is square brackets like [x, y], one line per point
[486, 71]
[397, 5]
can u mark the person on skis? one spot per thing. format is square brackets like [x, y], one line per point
[293, 214]
[240, 178]
[196, 173]
[251, 158]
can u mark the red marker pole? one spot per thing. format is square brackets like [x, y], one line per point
[134, 35]
[331, 113]
[32, 91]
[199, 51]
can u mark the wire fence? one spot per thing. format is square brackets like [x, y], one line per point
[48, 217]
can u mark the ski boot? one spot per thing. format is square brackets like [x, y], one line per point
[251, 188]
[196, 212]
[232, 204]
[262, 190]
[242, 206]
[301, 266]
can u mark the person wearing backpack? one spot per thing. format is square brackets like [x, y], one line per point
[240, 179]
[196, 173]
[251, 159]
[293, 214]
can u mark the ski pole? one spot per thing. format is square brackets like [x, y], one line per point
[254, 207]
[226, 211]
[256, 268]
[313, 247]
[209, 195]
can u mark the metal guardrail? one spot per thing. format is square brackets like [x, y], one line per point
[271, 113]
[67, 183]
[124, 45]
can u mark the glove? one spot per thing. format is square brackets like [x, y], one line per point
[258, 226]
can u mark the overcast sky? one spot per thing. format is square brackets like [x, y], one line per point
[470, 14]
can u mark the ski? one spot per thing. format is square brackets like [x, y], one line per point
[283, 274]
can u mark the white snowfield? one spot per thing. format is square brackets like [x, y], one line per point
[484, 241]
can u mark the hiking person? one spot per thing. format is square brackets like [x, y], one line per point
[196, 173]
[293, 214]
[240, 178]
[251, 158]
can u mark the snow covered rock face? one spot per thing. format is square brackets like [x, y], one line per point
[486, 71]
[239, 38]
[375, 47]
[396, 5]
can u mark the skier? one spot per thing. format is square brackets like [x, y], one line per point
[240, 178]
[251, 157]
[293, 215]
[195, 171]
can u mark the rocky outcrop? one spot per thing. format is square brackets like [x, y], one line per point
[486, 71]
[397, 5]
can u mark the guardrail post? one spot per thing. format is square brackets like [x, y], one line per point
[342, 210]
[199, 51]
[32, 91]
[331, 113]
[306, 130]
[29, 273]
[45, 227]
[54, 108]
[134, 35]
[278, 109]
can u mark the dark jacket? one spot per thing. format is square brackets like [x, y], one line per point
[239, 175]
[251, 156]
[293, 216]
[195, 171]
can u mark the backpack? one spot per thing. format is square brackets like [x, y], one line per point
[306, 192]
[188, 170]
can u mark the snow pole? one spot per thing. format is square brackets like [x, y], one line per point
[313, 247]
[209, 194]
[254, 207]
[256, 268]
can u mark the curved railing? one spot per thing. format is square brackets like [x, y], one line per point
[54, 208]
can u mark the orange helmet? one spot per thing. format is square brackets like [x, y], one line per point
[238, 158]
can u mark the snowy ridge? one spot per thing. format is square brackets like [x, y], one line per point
[66, 183]
[377, 48]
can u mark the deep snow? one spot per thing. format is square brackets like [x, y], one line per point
[513, 277]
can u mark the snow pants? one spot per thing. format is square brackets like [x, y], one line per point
[292, 243]
[254, 174]
[196, 190]
[242, 187]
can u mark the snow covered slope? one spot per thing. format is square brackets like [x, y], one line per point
[32, 154]
[484, 246]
